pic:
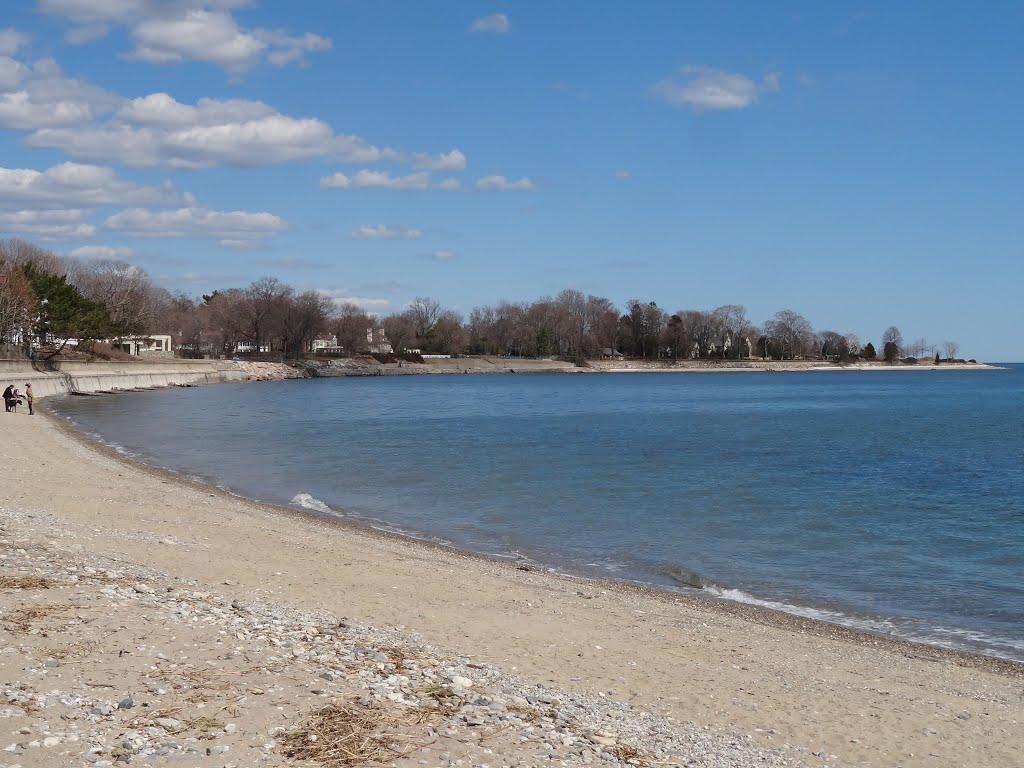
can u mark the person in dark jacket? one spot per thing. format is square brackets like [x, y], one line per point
[9, 399]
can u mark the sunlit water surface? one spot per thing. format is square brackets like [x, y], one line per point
[890, 501]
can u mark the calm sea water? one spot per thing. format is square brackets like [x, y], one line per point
[891, 501]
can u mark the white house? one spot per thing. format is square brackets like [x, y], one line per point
[325, 342]
[378, 342]
[154, 344]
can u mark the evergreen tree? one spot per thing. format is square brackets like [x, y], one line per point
[64, 313]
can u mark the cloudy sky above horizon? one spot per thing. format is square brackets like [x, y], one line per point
[859, 163]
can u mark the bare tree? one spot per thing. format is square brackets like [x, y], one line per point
[892, 335]
[186, 321]
[791, 331]
[227, 323]
[424, 314]
[132, 300]
[400, 330]
[302, 318]
[573, 324]
[449, 337]
[832, 344]
[731, 327]
[581, 321]
[17, 304]
[350, 324]
[19, 252]
[951, 348]
[480, 331]
[263, 302]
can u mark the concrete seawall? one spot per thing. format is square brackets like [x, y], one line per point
[71, 377]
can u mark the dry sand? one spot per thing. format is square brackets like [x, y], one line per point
[819, 695]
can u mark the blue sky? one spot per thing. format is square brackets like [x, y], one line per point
[859, 163]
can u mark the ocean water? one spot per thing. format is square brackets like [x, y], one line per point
[889, 501]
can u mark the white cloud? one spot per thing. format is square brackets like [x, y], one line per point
[85, 34]
[449, 185]
[94, 11]
[501, 184]
[48, 225]
[12, 73]
[446, 161]
[158, 130]
[285, 49]
[101, 252]
[198, 35]
[380, 179]
[215, 37]
[70, 185]
[159, 110]
[42, 97]
[237, 244]
[167, 31]
[386, 232]
[343, 296]
[623, 174]
[705, 89]
[441, 256]
[496, 22]
[232, 229]
[11, 40]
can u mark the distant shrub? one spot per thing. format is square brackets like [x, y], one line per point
[909, 361]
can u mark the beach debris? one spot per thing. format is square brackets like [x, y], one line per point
[347, 733]
[24, 582]
[128, 665]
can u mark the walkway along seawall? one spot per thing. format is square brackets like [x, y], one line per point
[69, 377]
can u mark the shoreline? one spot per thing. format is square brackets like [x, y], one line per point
[760, 614]
[362, 366]
[819, 368]
[820, 693]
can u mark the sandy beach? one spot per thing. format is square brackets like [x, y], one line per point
[677, 679]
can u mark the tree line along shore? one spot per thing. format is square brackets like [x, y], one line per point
[53, 304]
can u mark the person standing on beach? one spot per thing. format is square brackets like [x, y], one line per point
[29, 397]
[9, 398]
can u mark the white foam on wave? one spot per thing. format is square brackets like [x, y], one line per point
[933, 634]
[306, 501]
[821, 614]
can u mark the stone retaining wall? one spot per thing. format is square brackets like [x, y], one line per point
[71, 376]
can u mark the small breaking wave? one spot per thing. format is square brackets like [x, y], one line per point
[306, 501]
[954, 638]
